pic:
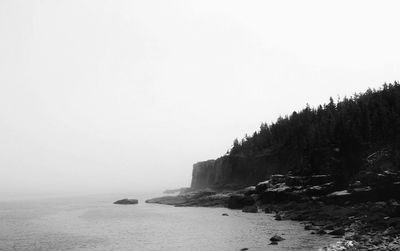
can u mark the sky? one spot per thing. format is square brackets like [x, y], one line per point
[104, 96]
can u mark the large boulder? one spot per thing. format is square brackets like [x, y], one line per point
[238, 201]
[281, 193]
[262, 186]
[126, 201]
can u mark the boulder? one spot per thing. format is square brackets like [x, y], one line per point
[276, 238]
[338, 197]
[281, 193]
[249, 190]
[250, 209]
[126, 201]
[262, 186]
[239, 201]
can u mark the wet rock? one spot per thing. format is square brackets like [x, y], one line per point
[338, 197]
[262, 186]
[239, 201]
[250, 209]
[338, 232]
[276, 238]
[281, 193]
[126, 202]
[249, 190]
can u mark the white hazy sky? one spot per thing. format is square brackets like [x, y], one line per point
[113, 96]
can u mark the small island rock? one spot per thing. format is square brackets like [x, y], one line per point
[126, 201]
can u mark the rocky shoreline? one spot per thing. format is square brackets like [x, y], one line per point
[366, 215]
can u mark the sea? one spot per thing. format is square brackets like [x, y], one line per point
[95, 223]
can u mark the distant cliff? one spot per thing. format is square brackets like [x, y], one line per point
[237, 171]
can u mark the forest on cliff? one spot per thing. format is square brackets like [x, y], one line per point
[337, 137]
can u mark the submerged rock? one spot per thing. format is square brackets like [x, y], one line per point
[126, 201]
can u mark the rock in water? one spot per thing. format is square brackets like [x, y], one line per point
[126, 201]
[276, 238]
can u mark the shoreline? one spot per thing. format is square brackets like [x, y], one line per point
[363, 217]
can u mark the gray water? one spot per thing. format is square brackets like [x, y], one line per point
[94, 223]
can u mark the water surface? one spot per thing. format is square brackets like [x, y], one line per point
[94, 223]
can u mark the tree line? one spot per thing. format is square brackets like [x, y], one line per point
[333, 138]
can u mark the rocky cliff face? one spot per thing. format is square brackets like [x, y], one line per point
[236, 171]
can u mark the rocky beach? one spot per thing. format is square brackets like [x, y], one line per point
[365, 216]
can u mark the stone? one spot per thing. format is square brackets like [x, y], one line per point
[278, 217]
[225, 214]
[276, 238]
[126, 202]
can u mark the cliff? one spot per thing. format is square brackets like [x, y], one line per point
[236, 171]
[334, 138]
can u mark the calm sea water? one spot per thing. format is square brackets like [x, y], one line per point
[94, 223]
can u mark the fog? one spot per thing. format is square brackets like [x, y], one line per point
[124, 96]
